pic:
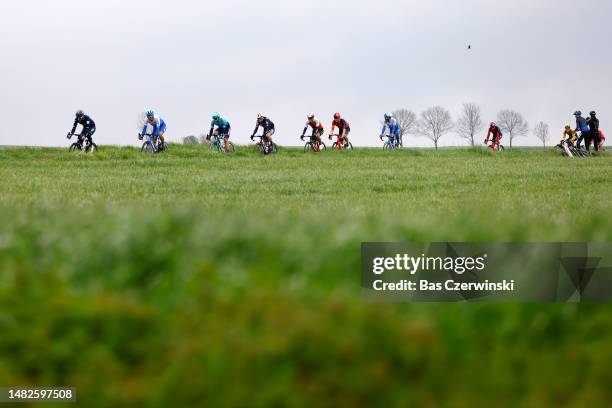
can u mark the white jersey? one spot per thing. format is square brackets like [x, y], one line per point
[155, 121]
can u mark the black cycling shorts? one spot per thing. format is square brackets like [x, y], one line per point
[318, 130]
[225, 132]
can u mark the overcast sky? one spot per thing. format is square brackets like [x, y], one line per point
[188, 58]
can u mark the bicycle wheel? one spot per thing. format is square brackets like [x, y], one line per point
[92, 148]
[387, 146]
[273, 148]
[232, 148]
[216, 146]
[74, 146]
[147, 147]
[501, 148]
[258, 148]
[349, 146]
[322, 147]
[336, 146]
[307, 147]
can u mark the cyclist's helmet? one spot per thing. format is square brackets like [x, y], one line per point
[337, 116]
[149, 113]
[388, 115]
[568, 127]
[593, 113]
[311, 116]
[493, 124]
[578, 113]
[259, 116]
[216, 115]
[80, 113]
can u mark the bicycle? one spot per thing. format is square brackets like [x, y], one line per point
[89, 146]
[313, 144]
[264, 147]
[496, 147]
[391, 143]
[566, 149]
[218, 144]
[345, 143]
[151, 144]
[580, 152]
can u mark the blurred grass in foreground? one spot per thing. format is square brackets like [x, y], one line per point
[232, 281]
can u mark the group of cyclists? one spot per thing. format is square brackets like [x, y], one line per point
[587, 129]
[344, 129]
[221, 128]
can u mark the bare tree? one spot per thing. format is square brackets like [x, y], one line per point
[407, 120]
[190, 140]
[542, 133]
[469, 123]
[513, 124]
[435, 122]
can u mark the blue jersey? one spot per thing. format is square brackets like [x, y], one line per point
[220, 123]
[582, 125]
[393, 127]
[158, 125]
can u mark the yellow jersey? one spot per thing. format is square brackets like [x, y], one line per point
[571, 135]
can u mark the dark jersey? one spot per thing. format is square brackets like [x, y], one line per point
[593, 123]
[266, 124]
[88, 124]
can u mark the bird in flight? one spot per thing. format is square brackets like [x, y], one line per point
[469, 47]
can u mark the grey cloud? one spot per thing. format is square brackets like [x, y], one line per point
[189, 58]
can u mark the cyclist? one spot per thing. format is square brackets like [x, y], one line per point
[583, 127]
[223, 129]
[343, 127]
[89, 126]
[394, 130]
[593, 123]
[496, 134]
[268, 130]
[317, 128]
[571, 136]
[159, 129]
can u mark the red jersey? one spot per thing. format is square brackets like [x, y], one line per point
[497, 134]
[341, 124]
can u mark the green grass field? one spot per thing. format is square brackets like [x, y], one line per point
[191, 278]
